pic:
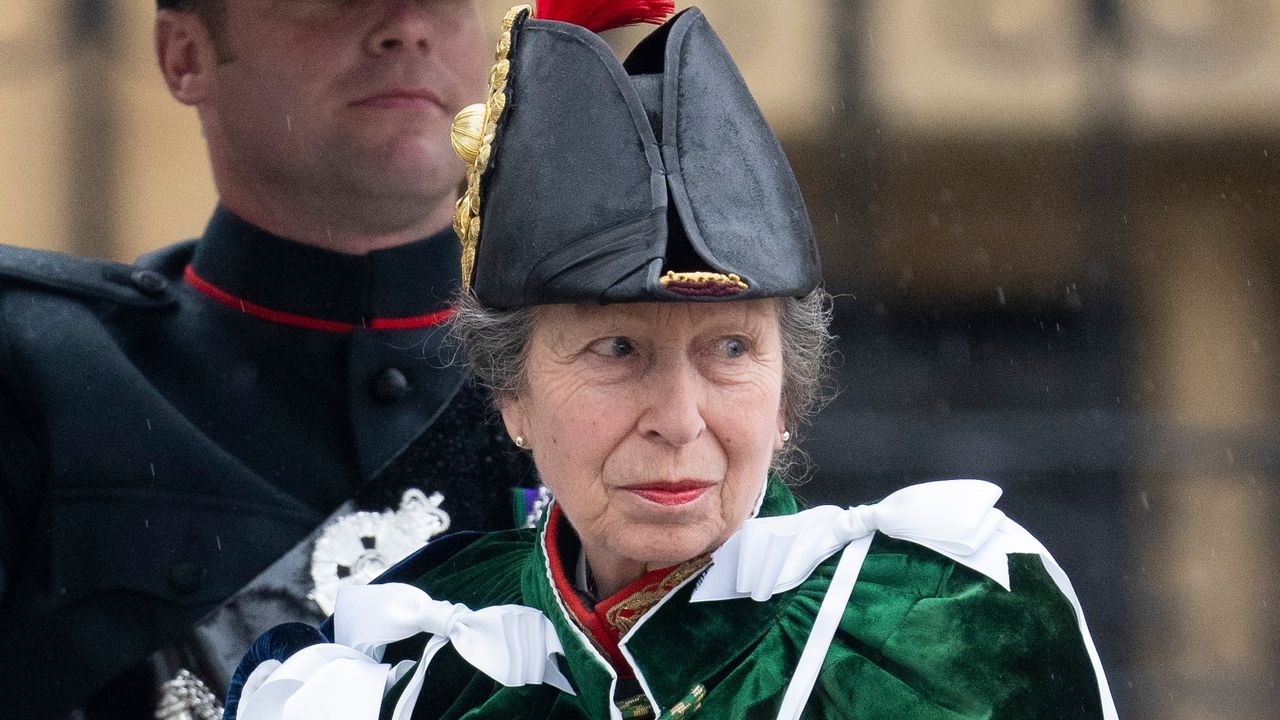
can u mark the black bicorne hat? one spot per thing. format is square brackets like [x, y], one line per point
[651, 179]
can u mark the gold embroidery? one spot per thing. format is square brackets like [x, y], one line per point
[472, 136]
[635, 707]
[702, 283]
[688, 706]
[624, 615]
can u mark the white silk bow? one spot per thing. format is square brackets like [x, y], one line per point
[955, 518]
[512, 644]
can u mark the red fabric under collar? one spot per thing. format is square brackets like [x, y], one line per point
[613, 616]
[216, 293]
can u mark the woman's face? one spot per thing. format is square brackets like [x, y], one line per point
[652, 424]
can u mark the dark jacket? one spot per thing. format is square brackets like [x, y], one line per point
[169, 429]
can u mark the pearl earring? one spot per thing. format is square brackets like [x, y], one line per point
[786, 436]
[519, 441]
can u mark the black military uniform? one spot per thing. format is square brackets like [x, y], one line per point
[169, 429]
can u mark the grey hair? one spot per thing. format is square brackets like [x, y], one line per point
[807, 359]
[495, 343]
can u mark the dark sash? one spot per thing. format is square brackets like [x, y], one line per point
[193, 673]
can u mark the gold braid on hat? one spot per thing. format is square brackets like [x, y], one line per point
[472, 137]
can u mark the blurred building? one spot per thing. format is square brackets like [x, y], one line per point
[1052, 229]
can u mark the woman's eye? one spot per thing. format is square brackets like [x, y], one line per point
[733, 347]
[614, 347]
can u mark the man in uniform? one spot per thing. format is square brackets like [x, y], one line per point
[180, 438]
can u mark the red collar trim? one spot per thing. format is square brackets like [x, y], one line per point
[615, 615]
[604, 640]
[208, 289]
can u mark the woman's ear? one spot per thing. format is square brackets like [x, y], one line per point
[514, 419]
[187, 55]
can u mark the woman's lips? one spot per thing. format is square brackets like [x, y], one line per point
[677, 493]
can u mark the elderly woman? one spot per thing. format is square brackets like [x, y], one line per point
[643, 302]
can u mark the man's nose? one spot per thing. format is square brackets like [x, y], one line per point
[404, 25]
[673, 412]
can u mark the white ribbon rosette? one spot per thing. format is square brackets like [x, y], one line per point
[513, 644]
[955, 518]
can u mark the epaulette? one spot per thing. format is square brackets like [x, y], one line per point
[84, 277]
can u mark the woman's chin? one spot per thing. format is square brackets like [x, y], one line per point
[664, 546]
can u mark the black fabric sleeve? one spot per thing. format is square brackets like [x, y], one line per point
[20, 465]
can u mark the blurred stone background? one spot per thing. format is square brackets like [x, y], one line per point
[1051, 226]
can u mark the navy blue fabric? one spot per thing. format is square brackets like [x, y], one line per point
[278, 643]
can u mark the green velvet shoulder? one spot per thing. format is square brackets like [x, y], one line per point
[927, 637]
[923, 638]
[486, 572]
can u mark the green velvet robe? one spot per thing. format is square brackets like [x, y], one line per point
[923, 638]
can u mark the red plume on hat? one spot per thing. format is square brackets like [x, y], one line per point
[600, 15]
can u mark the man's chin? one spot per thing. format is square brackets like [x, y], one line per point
[406, 165]
[403, 179]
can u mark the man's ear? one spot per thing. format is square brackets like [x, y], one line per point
[186, 54]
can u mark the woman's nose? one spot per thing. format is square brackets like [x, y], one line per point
[673, 406]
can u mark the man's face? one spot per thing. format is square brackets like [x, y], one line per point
[349, 100]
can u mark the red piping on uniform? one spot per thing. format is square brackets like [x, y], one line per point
[216, 293]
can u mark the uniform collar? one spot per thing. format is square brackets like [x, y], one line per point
[242, 265]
